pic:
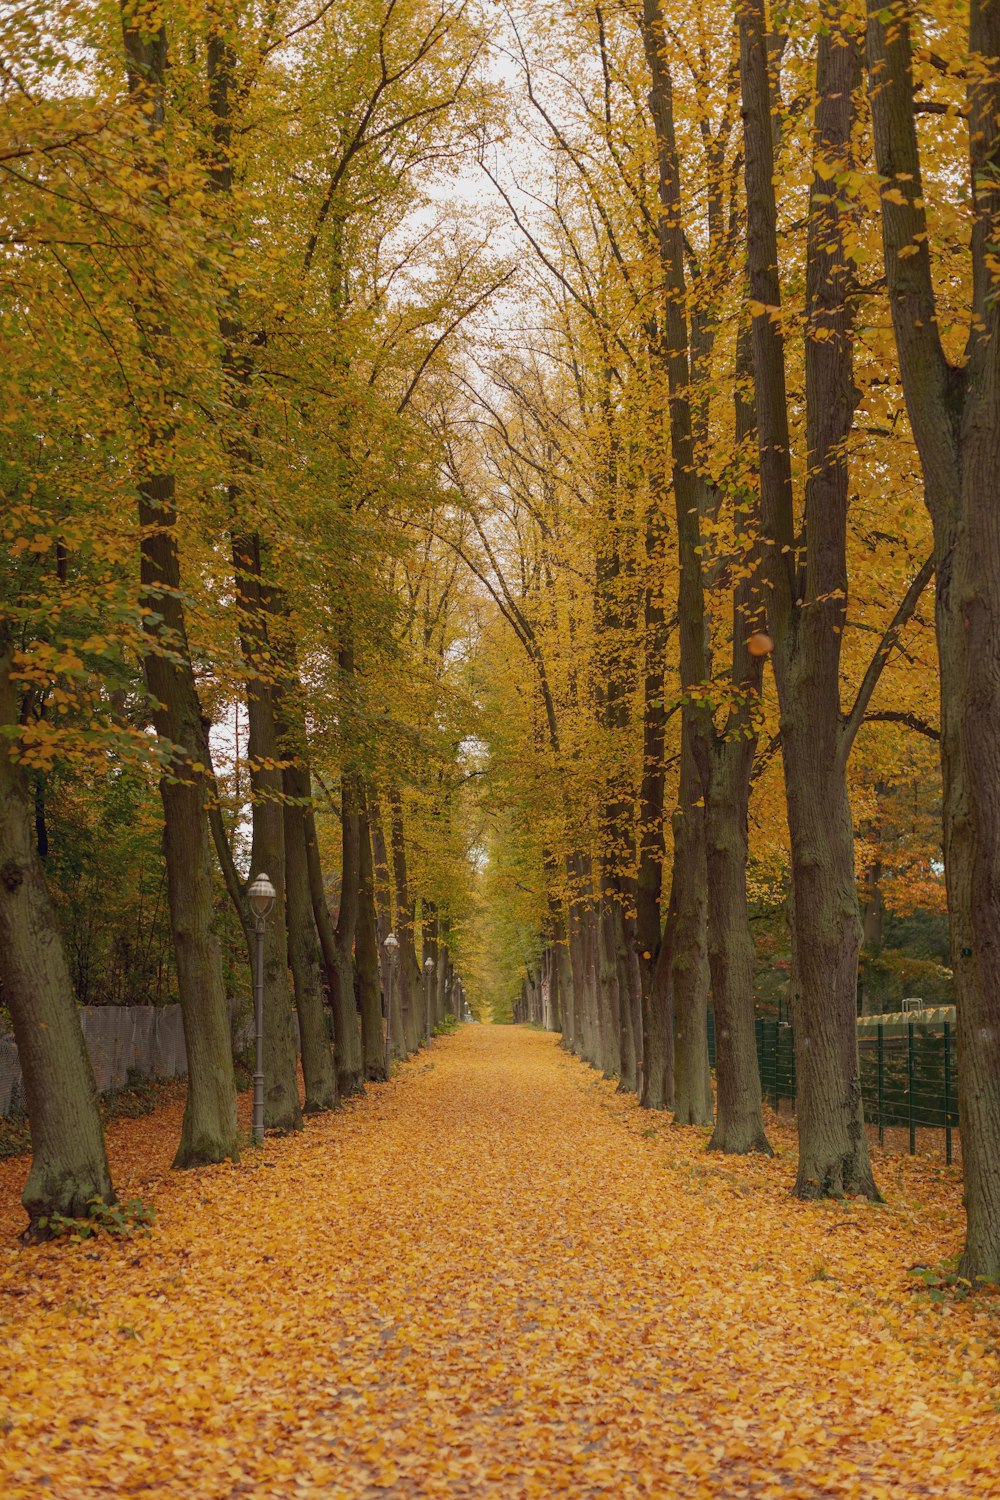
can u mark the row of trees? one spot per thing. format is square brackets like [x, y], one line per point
[229, 304]
[751, 424]
[287, 440]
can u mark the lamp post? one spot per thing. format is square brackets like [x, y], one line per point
[428, 971]
[261, 896]
[391, 946]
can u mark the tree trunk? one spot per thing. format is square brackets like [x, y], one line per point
[408, 975]
[69, 1168]
[628, 998]
[367, 950]
[282, 1110]
[383, 907]
[350, 1056]
[304, 953]
[739, 1125]
[692, 1080]
[954, 412]
[608, 997]
[808, 581]
[689, 976]
[658, 1024]
[209, 1127]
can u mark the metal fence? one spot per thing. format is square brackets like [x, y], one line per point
[909, 1072]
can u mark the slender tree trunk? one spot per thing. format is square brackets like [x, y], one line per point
[577, 953]
[209, 1127]
[367, 950]
[258, 614]
[282, 1110]
[692, 1082]
[631, 1044]
[69, 1168]
[350, 1056]
[658, 1024]
[409, 973]
[608, 997]
[305, 957]
[689, 973]
[649, 881]
[383, 906]
[739, 1123]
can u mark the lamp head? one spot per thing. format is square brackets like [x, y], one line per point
[428, 965]
[391, 943]
[261, 895]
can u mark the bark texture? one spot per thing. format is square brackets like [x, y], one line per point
[807, 580]
[304, 954]
[350, 1058]
[367, 951]
[955, 416]
[209, 1129]
[69, 1168]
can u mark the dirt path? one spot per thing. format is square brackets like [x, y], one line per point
[496, 1277]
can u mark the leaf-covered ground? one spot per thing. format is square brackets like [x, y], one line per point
[495, 1276]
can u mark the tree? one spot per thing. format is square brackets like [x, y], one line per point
[69, 1168]
[953, 402]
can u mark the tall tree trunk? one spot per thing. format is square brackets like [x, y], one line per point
[649, 881]
[209, 1127]
[692, 1083]
[658, 1024]
[807, 580]
[350, 1056]
[628, 1000]
[367, 950]
[383, 907]
[304, 954]
[282, 1110]
[408, 975]
[257, 613]
[579, 1042]
[954, 412]
[607, 994]
[69, 1168]
[689, 969]
[739, 1125]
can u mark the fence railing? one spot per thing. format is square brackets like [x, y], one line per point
[909, 1074]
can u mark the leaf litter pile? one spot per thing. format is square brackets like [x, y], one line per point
[495, 1276]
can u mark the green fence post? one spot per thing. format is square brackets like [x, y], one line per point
[777, 1096]
[909, 1088]
[880, 1063]
[947, 1092]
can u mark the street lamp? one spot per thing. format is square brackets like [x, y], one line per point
[428, 971]
[261, 895]
[391, 946]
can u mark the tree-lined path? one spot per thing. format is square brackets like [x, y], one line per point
[494, 1276]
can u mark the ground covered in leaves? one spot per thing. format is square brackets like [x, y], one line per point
[494, 1276]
